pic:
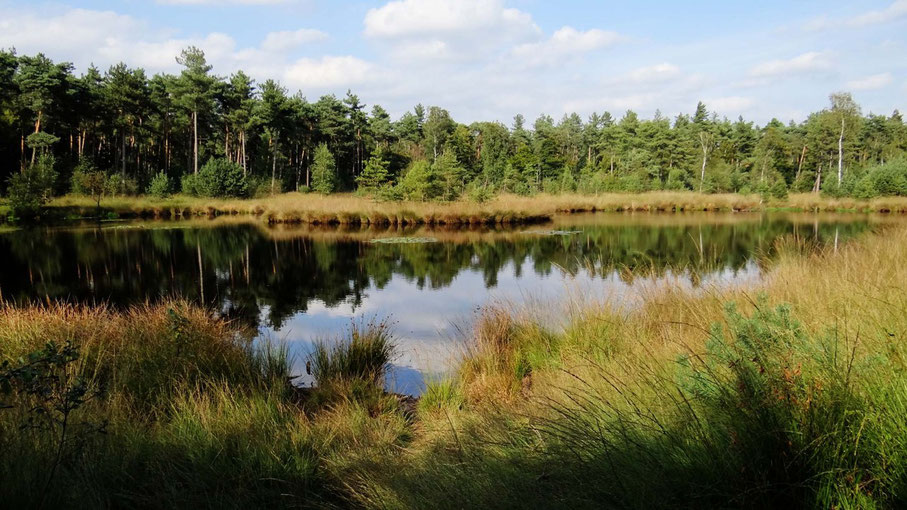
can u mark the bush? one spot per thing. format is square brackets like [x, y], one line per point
[89, 181]
[420, 182]
[31, 189]
[890, 178]
[480, 193]
[189, 185]
[119, 185]
[778, 189]
[866, 188]
[83, 175]
[677, 180]
[324, 170]
[160, 186]
[221, 178]
[389, 193]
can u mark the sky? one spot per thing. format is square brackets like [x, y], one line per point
[493, 59]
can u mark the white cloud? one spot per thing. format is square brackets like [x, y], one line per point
[874, 82]
[809, 62]
[658, 73]
[290, 39]
[439, 18]
[893, 12]
[224, 2]
[329, 71]
[564, 43]
[729, 105]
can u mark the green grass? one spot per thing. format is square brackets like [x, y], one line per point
[174, 408]
[787, 393]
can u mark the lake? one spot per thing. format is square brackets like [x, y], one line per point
[300, 284]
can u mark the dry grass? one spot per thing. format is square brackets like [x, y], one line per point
[349, 209]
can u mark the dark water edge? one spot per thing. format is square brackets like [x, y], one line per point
[302, 283]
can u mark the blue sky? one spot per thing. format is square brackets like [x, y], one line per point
[492, 59]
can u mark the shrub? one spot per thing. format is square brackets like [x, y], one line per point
[221, 178]
[677, 179]
[890, 178]
[31, 189]
[324, 170]
[159, 186]
[866, 188]
[389, 193]
[89, 181]
[83, 176]
[778, 189]
[189, 184]
[480, 193]
[420, 182]
[117, 184]
[374, 174]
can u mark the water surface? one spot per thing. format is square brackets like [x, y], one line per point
[302, 283]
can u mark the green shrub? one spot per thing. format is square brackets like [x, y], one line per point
[30, 189]
[420, 182]
[160, 186]
[389, 193]
[677, 180]
[778, 189]
[866, 188]
[221, 178]
[890, 178]
[480, 193]
[117, 184]
[189, 184]
[324, 170]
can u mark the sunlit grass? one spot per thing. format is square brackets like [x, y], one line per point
[348, 208]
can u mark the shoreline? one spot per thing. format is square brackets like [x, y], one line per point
[350, 209]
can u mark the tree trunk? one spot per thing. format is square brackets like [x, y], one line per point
[195, 141]
[123, 154]
[37, 129]
[800, 163]
[841, 153]
[242, 136]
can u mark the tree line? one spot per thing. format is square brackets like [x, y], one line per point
[123, 132]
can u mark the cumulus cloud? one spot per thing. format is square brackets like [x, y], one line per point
[327, 72]
[893, 12]
[729, 105]
[419, 18]
[224, 2]
[564, 43]
[658, 73]
[874, 82]
[806, 63]
[289, 39]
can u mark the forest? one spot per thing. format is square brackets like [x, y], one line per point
[121, 132]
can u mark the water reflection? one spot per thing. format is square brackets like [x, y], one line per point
[300, 283]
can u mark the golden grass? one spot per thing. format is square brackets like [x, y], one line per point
[347, 208]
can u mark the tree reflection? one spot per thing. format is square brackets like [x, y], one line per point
[251, 275]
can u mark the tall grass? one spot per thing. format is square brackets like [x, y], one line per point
[184, 412]
[363, 353]
[504, 209]
[788, 395]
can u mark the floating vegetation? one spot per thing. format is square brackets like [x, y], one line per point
[553, 232]
[404, 240]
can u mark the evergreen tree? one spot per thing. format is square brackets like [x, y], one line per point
[324, 170]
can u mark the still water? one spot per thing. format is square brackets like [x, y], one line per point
[301, 284]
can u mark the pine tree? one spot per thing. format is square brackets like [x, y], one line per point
[324, 170]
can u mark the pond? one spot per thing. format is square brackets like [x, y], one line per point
[300, 284]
